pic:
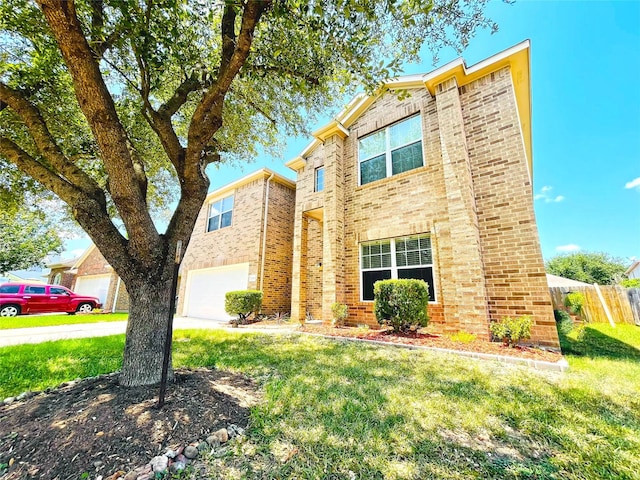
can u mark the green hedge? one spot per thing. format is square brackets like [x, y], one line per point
[401, 304]
[243, 303]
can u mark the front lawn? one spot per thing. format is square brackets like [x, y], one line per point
[28, 321]
[353, 411]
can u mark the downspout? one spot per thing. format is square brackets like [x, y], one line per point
[115, 299]
[264, 232]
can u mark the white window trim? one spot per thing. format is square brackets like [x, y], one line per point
[394, 265]
[221, 200]
[388, 160]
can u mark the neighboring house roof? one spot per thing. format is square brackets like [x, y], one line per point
[62, 263]
[556, 281]
[633, 266]
[516, 57]
[262, 173]
[29, 276]
[80, 260]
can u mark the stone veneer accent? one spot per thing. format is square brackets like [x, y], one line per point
[473, 196]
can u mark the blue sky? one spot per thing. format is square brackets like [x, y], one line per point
[585, 68]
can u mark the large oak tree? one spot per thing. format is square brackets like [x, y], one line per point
[110, 103]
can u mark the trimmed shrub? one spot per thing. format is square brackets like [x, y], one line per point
[401, 304]
[242, 303]
[512, 330]
[563, 321]
[340, 313]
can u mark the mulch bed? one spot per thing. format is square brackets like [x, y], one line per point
[98, 427]
[432, 340]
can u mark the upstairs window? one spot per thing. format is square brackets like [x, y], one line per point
[319, 179]
[394, 150]
[406, 257]
[220, 214]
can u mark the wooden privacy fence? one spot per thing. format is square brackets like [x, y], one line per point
[623, 303]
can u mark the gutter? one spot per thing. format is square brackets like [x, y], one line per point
[264, 232]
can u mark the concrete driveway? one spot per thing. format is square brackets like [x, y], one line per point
[20, 336]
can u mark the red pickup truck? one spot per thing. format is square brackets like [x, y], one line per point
[24, 298]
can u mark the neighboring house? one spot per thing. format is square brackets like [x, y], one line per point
[33, 275]
[95, 277]
[60, 273]
[634, 270]
[557, 281]
[242, 239]
[429, 178]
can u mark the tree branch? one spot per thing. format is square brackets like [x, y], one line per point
[45, 142]
[90, 211]
[99, 109]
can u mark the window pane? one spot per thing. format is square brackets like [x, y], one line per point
[215, 208]
[412, 243]
[425, 242]
[401, 259]
[413, 258]
[366, 250]
[373, 170]
[386, 260]
[374, 248]
[406, 158]
[425, 257]
[319, 179]
[214, 223]
[376, 261]
[372, 145]
[386, 247]
[371, 277]
[225, 220]
[227, 204]
[406, 132]
[366, 262]
[423, 273]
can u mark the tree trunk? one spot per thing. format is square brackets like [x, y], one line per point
[149, 304]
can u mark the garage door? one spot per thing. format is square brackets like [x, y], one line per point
[206, 290]
[94, 285]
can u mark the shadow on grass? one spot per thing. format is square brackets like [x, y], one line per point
[344, 410]
[385, 413]
[591, 342]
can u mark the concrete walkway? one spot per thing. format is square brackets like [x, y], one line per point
[20, 336]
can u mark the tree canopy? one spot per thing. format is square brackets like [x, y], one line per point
[119, 105]
[600, 268]
[26, 238]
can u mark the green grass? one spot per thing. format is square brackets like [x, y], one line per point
[358, 411]
[28, 321]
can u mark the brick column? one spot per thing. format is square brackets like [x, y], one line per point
[333, 226]
[299, 272]
[462, 272]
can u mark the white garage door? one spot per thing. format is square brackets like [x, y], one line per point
[206, 290]
[93, 285]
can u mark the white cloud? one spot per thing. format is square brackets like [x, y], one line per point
[568, 248]
[635, 183]
[545, 194]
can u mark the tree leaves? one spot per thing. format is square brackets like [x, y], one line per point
[26, 237]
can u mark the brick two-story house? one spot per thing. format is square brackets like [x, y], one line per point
[429, 178]
[242, 239]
